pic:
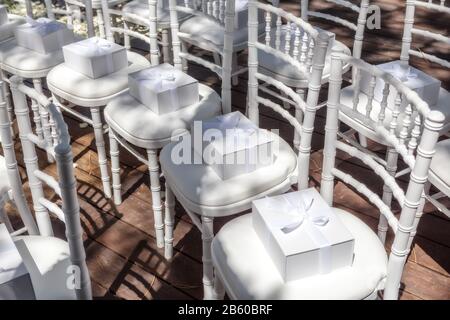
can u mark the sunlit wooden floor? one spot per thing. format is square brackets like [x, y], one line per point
[123, 260]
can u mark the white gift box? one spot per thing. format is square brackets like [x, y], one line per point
[11, 264]
[302, 234]
[3, 14]
[95, 57]
[163, 88]
[425, 85]
[232, 145]
[43, 35]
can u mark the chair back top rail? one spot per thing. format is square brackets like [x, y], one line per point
[416, 147]
[65, 186]
[409, 30]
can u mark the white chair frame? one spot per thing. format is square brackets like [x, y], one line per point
[65, 188]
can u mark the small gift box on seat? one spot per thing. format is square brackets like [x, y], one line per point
[3, 14]
[232, 145]
[43, 35]
[163, 88]
[95, 57]
[302, 234]
[425, 85]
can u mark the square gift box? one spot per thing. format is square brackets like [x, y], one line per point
[163, 88]
[43, 35]
[302, 234]
[95, 57]
[425, 85]
[11, 264]
[3, 14]
[232, 145]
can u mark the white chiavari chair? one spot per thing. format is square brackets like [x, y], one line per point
[10, 181]
[439, 176]
[201, 191]
[237, 249]
[50, 261]
[70, 88]
[133, 125]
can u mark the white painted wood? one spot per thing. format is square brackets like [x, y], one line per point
[169, 222]
[155, 187]
[115, 168]
[419, 162]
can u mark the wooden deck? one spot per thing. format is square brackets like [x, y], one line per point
[122, 256]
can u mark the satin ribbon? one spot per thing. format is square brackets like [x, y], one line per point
[291, 214]
[403, 73]
[161, 80]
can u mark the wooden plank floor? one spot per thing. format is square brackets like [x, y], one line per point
[122, 256]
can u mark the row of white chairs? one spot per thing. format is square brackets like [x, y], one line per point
[307, 63]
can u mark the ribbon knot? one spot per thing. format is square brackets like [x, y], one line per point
[403, 73]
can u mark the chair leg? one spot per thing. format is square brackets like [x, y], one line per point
[169, 222]
[165, 45]
[208, 270]
[299, 116]
[234, 68]
[362, 140]
[44, 119]
[391, 167]
[115, 168]
[7, 95]
[155, 187]
[419, 212]
[101, 151]
[101, 24]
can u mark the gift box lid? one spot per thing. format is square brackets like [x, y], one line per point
[93, 47]
[11, 264]
[235, 132]
[410, 76]
[162, 78]
[284, 217]
[43, 26]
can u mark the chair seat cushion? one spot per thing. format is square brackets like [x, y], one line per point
[201, 190]
[7, 29]
[142, 127]
[4, 180]
[141, 9]
[283, 71]
[248, 272]
[439, 172]
[47, 260]
[207, 31]
[27, 63]
[85, 91]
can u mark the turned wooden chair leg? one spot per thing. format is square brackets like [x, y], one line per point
[165, 42]
[44, 118]
[115, 168]
[299, 116]
[101, 151]
[169, 222]
[391, 167]
[155, 187]
[7, 99]
[208, 270]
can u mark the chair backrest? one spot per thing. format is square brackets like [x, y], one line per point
[313, 46]
[151, 39]
[437, 7]
[64, 187]
[358, 27]
[15, 181]
[416, 150]
[222, 12]
[54, 11]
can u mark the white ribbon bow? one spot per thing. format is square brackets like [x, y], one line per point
[402, 72]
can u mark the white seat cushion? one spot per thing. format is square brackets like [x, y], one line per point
[25, 62]
[249, 273]
[208, 31]
[4, 180]
[439, 173]
[85, 91]
[142, 127]
[141, 8]
[201, 190]
[7, 29]
[47, 260]
[283, 71]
